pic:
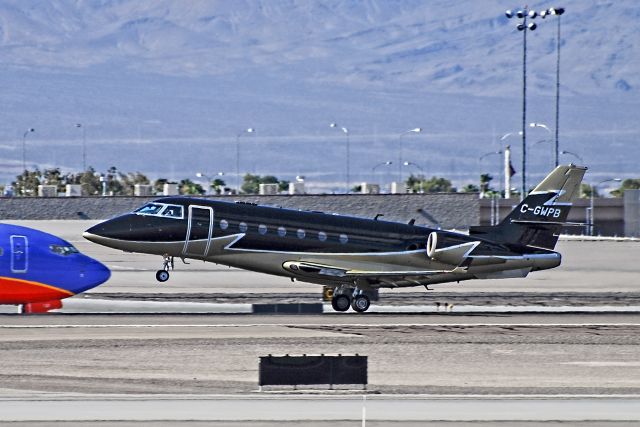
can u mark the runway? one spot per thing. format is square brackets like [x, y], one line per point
[324, 409]
[433, 354]
[485, 369]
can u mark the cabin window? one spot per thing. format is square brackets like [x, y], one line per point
[243, 227]
[282, 231]
[322, 236]
[262, 229]
[150, 209]
[173, 211]
[301, 233]
[224, 224]
[63, 250]
[344, 238]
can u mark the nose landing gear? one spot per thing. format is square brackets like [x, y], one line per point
[167, 263]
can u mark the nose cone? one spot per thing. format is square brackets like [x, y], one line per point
[97, 273]
[92, 274]
[112, 233]
[115, 228]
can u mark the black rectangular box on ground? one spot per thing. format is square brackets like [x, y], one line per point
[318, 369]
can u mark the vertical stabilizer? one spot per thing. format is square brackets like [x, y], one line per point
[538, 219]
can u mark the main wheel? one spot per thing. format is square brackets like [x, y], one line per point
[360, 303]
[162, 275]
[340, 302]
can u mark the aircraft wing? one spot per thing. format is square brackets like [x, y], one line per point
[383, 278]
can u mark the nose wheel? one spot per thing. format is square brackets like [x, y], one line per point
[162, 275]
[167, 263]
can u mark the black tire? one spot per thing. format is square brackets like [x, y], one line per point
[340, 302]
[360, 303]
[162, 275]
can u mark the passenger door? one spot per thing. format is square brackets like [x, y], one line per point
[19, 254]
[199, 228]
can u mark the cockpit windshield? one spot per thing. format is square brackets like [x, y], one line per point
[150, 209]
[161, 209]
[63, 250]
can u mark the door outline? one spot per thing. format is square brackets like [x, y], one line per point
[189, 223]
[25, 252]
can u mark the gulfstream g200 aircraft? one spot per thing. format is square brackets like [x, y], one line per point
[352, 255]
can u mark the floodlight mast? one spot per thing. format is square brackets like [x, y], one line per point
[556, 11]
[524, 26]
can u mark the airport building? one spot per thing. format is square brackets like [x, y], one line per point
[612, 216]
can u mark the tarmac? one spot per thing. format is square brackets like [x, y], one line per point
[560, 347]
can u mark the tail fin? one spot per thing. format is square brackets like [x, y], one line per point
[538, 219]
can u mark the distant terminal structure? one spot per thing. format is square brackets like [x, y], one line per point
[444, 210]
[611, 216]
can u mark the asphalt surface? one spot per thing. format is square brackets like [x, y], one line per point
[323, 409]
[437, 354]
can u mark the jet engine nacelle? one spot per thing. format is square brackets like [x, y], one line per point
[452, 255]
[40, 307]
[432, 243]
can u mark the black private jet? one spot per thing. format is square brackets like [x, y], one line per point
[354, 256]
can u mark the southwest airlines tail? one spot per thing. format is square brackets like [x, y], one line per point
[538, 219]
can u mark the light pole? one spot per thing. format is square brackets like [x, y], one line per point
[414, 165]
[249, 131]
[569, 153]
[508, 134]
[421, 170]
[24, 148]
[400, 162]
[509, 171]
[591, 212]
[556, 11]
[84, 146]
[387, 163]
[534, 125]
[492, 153]
[540, 125]
[207, 177]
[525, 27]
[348, 173]
[373, 169]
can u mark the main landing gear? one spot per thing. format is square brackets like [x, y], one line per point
[167, 263]
[354, 298]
